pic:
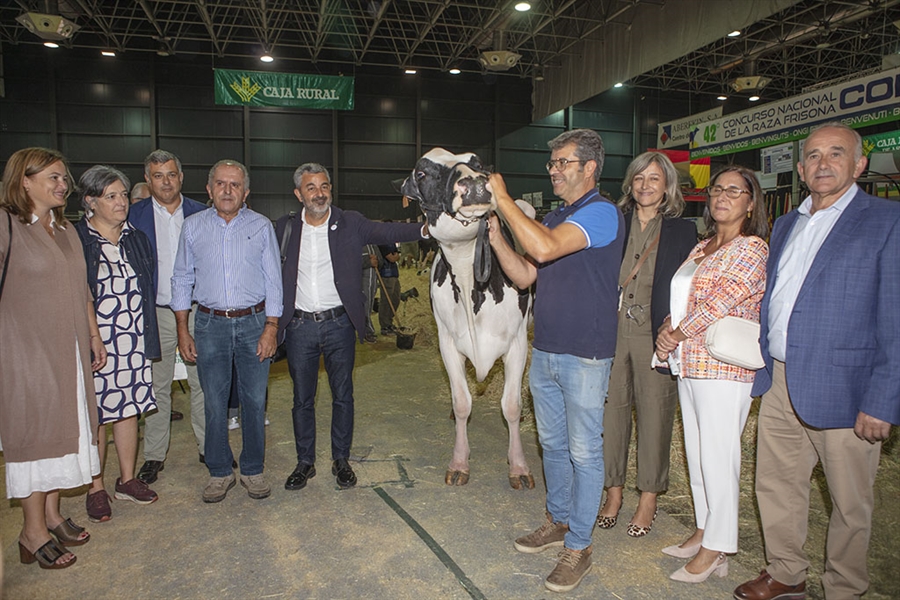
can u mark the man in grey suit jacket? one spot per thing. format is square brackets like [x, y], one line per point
[830, 337]
[161, 216]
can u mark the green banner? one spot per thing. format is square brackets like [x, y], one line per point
[256, 88]
[881, 142]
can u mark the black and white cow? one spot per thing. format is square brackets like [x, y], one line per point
[480, 314]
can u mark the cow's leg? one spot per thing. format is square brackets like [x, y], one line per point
[455, 363]
[514, 368]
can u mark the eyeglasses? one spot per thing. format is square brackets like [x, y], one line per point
[561, 163]
[732, 192]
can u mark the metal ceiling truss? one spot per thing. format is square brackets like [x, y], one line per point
[421, 34]
[810, 42]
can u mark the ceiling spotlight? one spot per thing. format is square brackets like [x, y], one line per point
[51, 44]
[753, 98]
[266, 58]
[455, 71]
[109, 53]
[735, 33]
[618, 85]
[721, 97]
[410, 71]
[523, 6]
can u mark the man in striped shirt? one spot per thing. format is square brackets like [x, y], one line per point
[228, 262]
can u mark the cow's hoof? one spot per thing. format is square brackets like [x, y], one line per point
[518, 482]
[457, 478]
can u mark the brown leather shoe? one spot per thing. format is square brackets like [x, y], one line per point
[766, 588]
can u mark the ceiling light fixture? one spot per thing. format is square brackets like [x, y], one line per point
[109, 53]
[618, 85]
[455, 71]
[721, 97]
[266, 58]
[523, 6]
[51, 44]
[753, 98]
[735, 33]
[410, 71]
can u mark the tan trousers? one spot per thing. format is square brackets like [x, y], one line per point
[788, 450]
[634, 385]
[157, 425]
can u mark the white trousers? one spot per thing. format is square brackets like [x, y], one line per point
[714, 412]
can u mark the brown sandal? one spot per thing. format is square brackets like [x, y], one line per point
[67, 533]
[46, 556]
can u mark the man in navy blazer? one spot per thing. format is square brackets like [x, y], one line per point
[324, 311]
[161, 216]
[830, 337]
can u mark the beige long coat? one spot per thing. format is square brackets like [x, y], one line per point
[43, 310]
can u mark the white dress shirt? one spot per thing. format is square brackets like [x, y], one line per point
[315, 275]
[807, 236]
[168, 230]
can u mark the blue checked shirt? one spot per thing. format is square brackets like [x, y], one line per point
[227, 265]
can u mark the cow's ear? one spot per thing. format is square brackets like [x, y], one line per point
[410, 190]
[398, 184]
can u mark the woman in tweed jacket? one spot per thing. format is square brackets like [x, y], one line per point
[725, 275]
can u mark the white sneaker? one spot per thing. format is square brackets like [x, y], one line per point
[233, 423]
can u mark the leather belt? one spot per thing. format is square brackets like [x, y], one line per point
[318, 317]
[233, 313]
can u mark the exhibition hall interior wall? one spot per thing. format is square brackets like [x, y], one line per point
[114, 111]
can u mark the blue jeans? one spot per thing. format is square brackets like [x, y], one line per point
[569, 393]
[306, 341]
[223, 344]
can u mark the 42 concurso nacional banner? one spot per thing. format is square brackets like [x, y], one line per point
[869, 100]
[257, 88]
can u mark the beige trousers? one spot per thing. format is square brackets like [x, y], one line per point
[653, 397]
[788, 450]
[157, 425]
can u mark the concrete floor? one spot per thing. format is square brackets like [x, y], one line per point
[401, 533]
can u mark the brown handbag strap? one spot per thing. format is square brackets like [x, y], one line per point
[642, 259]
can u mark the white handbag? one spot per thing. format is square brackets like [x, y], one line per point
[735, 341]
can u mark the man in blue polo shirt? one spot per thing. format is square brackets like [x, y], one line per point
[574, 257]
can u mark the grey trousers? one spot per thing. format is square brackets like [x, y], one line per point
[157, 424]
[653, 397]
[385, 312]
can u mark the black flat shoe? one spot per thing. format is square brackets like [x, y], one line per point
[149, 471]
[297, 480]
[343, 473]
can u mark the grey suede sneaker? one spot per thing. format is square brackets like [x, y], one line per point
[257, 486]
[573, 565]
[547, 535]
[217, 488]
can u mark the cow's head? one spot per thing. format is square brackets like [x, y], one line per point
[454, 184]
[452, 191]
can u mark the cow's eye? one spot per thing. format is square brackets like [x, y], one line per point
[420, 175]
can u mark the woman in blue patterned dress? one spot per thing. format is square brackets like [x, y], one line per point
[120, 270]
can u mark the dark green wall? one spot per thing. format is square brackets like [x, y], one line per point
[115, 111]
